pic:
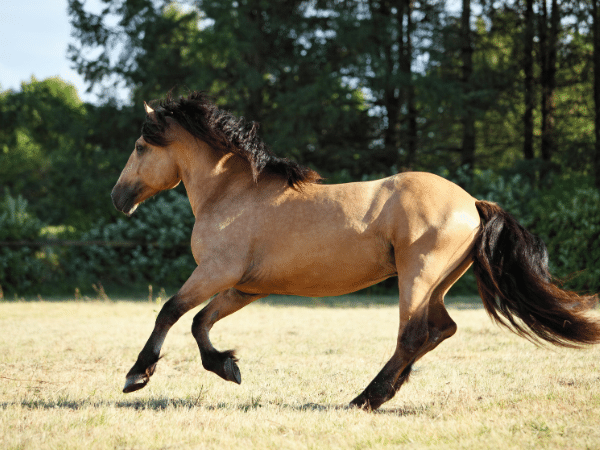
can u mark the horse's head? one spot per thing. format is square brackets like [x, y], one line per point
[149, 170]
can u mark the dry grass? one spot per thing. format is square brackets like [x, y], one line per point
[62, 367]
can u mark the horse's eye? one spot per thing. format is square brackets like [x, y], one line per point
[140, 148]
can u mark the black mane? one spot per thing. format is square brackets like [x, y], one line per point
[199, 116]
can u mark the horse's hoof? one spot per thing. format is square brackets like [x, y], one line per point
[232, 371]
[361, 402]
[135, 383]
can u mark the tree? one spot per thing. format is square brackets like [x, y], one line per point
[470, 75]
[144, 45]
[376, 41]
[528, 69]
[270, 63]
[44, 151]
[468, 115]
[549, 28]
[595, 13]
[361, 88]
[406, 60]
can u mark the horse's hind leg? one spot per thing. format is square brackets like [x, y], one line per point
[224, 304]
[412, 336]
[424, 324]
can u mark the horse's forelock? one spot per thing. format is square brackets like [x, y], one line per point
[154, 129]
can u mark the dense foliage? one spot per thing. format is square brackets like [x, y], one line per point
[494, 95]
[20, 267]
[161, 230]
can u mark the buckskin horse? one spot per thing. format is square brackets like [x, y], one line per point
[266, 225]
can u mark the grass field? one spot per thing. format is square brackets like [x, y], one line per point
[62, 367]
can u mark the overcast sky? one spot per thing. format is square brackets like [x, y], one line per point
[34, 36]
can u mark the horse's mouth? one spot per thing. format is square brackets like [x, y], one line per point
[125, 198]
[129, 212]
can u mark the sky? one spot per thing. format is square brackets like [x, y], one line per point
[34, 37]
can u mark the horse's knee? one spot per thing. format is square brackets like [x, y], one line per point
[170, 312]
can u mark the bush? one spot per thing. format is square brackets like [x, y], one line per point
[568, 220]
[162, 227]
[21, 268]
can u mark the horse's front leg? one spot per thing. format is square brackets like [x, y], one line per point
[198, 288]
[144, 367]
[224, 304]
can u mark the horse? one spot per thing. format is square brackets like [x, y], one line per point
[267, 225]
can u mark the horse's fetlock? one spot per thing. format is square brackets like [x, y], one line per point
[412, 340]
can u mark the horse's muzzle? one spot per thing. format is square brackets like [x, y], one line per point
[125, 198]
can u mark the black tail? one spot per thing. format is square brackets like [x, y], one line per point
[511, 267]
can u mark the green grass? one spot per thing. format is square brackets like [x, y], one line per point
[62, 367]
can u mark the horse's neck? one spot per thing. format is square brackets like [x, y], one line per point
[209, 176]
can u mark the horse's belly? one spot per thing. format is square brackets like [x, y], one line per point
[320, 271]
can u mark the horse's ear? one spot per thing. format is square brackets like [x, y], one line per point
[148, 109]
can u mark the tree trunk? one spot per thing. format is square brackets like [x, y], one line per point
[596, 45]
[548, 51]
[528, 67]
[468, 118]
[410, 136]
[390, 91]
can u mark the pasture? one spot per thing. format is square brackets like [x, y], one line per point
[63, 364]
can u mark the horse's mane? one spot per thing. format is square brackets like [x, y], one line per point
[200, 117]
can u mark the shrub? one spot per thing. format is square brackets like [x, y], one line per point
[21, 267]
[162, 229]
[568, 220]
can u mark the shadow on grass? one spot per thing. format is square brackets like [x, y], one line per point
[154, 404]
[358, 301]
[164, 404]
[343, 301]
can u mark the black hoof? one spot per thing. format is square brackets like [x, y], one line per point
[232, 371]
[135, 383]
[361, 402]
[372, 398]
[223, 364]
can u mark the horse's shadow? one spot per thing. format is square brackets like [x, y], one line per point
[164, 403]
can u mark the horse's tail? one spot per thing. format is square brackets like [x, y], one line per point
[511, 267]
